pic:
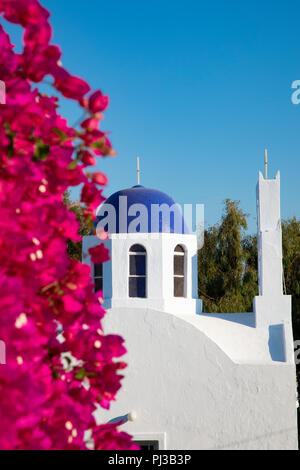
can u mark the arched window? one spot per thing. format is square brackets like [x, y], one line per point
[137, 271]
[98, 277]
[179, 268]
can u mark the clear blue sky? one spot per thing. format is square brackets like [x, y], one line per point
[198, 90]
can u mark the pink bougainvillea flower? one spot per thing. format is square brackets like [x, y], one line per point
[99, 254]
[100, 178]
[24, 12]
[94, 138]
[91, 196]
[49, 311]
[40, 62]
[69, 85]
[38, 34]
[71, 304]
[18, 92]
[88, 159]
[107, 438]
[8, 60]
[90, 124]
[98, 102]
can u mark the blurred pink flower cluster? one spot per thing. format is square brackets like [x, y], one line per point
[48, 398]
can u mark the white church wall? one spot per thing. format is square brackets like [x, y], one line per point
[237, 335]
[206, 381]
[182, 384]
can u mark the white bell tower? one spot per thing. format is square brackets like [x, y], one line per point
[156, 268]
[272, 308]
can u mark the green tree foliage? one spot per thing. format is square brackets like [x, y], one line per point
[75, 248]
[227, 264]
[227, 268]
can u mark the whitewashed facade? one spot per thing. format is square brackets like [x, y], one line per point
[196, 380]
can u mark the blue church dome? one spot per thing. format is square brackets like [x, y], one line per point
[152, 218]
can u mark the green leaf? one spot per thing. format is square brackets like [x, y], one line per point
[73, 165]
[41, 150]
[61, 134]
[80, 374]
[55, 374]
[98, 144]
